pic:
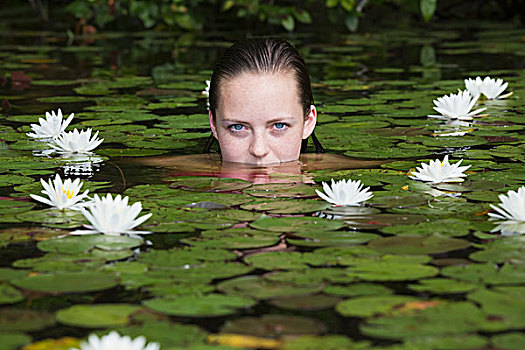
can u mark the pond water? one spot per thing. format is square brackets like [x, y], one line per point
[410, 270]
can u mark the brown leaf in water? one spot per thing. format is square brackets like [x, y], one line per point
[6, 106]
[19, 80]
[500, 138]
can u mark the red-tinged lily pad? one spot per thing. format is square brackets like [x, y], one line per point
[274, 326]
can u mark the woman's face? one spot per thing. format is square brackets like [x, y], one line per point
[259, 119]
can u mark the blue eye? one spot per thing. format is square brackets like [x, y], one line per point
[237, 127]
[279, 125]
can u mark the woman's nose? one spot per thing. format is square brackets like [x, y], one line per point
[259, 147]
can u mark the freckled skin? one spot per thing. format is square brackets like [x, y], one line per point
[259, 119]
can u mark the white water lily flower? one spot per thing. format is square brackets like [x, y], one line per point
[456, 106]
[491, 88]
[76, 142]
[510, 228]
[206, 91]
[113, 216]
[63, 194]
[345, 192]
[437, 171]
[512, 206]
[114, 341]
[52, 126]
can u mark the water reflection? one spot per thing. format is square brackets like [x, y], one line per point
[289, 172]
[510, 228]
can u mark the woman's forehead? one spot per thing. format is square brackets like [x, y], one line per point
[259, 93]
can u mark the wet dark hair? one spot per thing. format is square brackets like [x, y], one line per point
[263, 55]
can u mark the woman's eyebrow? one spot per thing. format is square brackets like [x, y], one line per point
[234, 121]
[281, 119]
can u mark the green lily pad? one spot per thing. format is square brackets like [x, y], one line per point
[67, 282]
[54, 218]
[53, 262]
[468, 186]
[295, 224]
[443, 319]
[14, 340]
[178, 258]
[277, 261]
[378, 221]
[398, 201]
[305, 303]
[486, 273]
[167, 334]
[509, 341]
[273, 326]
[9, 295]
[12, 206]
[259, 288]
[79, 244]
[390, 269]
[293, 190]
[510, 249]
[443, 286]
[328, 238]
[210, 305]
[208, 184]
[97, 316]
[288, 206]
[446, 227]
[358, 289]
[448, 342]
[366, 306]
[332, 342]
[236, 238]
[506, 310]
[417, 245]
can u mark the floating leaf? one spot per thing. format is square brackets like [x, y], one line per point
[210, 305]
[417, 245]
[97, 316]
[371, 305]
[67, 282]
[259, 288]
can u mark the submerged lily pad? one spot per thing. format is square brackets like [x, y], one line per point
[24, 320]
[274, 326]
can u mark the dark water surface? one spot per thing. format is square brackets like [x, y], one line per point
[265, 257]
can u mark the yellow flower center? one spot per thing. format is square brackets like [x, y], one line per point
[69, 193]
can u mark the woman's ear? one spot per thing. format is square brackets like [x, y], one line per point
[212, 124]
[309, 122]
